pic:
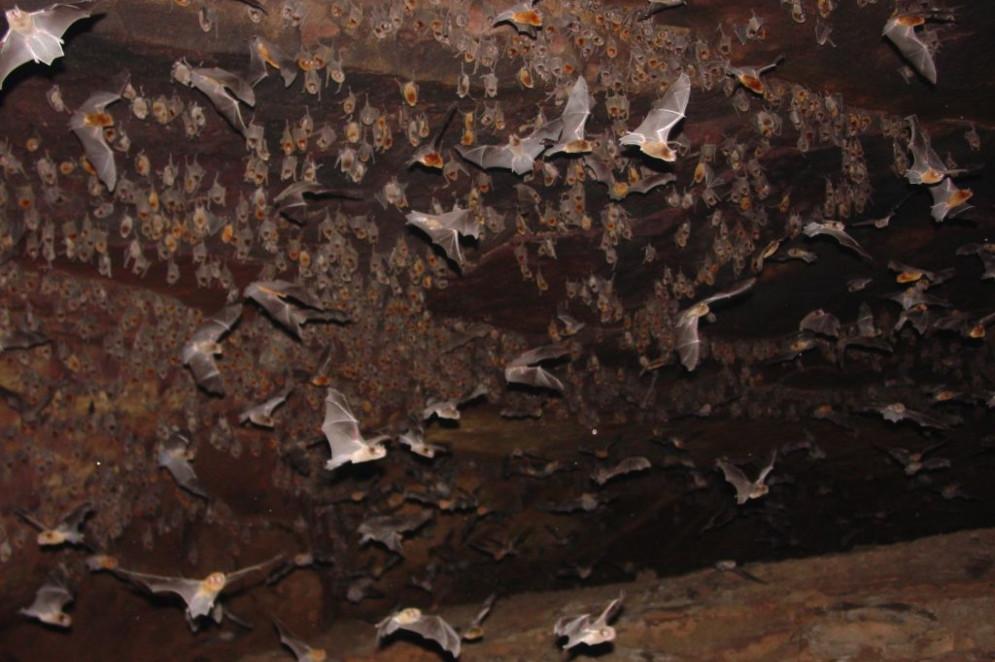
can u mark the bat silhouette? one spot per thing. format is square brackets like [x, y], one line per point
[581, 630]
[745, 488]
[900, 29]
[223, 88]
[821, 322]
[174, 454]
[281, 301]
[68, 531]
[341, 429]
[948, 200]
[574, 117]
[630, 464]
[301, 650]
[263, 52]
[519, 154]
[389, 529]
[445, 229]
[449, 409]
[431, 628]
[36, 35]
[896, 412]
[88, 123]
[837, 231]
[688, 340]
[475, 631]
[50, 599]
[652, 135]
[909, 274]
[523, 368]
[199, 353]
[262, 414]
[619, 189]
[413, 439]
[523, 16]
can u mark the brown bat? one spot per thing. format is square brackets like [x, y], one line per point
[523, 369]
[948, 200]
[913, 461]
[745, 488]
[431, 628]
[475, 631]
[199, 353]
[653, 134]
[68, 531]
[820, 322]
[388, 529]
[88, 123]
[749, 77]
[301, 650]
[414, 440]
[688, 341]
[174, 454]
[223, 88]
[896, 412]
[428, 155]
[50, 599]
[837, 231]
[619, 189]
[36, 35]
[927, 166]
[262, 53]
[900, 29]
[582, 630]
[602, 475]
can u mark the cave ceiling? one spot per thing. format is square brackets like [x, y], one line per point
[105, 280]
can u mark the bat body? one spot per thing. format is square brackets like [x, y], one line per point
[948, 200]
[652, 135]
[630, 464]
[927, 166]
[913, 461]
[431, 628]
[837, 231]
[301, 650]
[199, 353]
[262, 414]
[475, 631]
[523, 368]
[429, 155]
[175, 455]
[414, 440]
[519, 154]
[820, 322]
[50, 599]
[341, 429]
[88, 123]
[278, 299]
[749, 77]
[575, 114]
[581, 630]
[688, 340]
[619, 189]
[445, 229]
[523, 16]
[900, 30]
[389, 529]
[745, 488]
[37, 35]
[223, 88]
[68, 531]
[897, 412]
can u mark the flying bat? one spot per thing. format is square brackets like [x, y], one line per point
[445, 229]
[223, 88]
[656, 6]
[199, 353]
[820, 322]
[428, 155]
[432, 628]
[413, 439]
[475, 631]
[745, 488]
[68, 531]
[263, 52]
[36, 35]
[948, 200]
[651, 136]
[897, 412]
[281, 300]
[574, 117]
[688, 340]
[523, 369]
[519, 154]
[630, 464]
[581, 630]
[262, 414]
[341, 429]
[619, 189]
[88, 123]
[900, 29]
[174, 454]
[927, 166]
[837, 231]
[749, 77]
[913, 462]
[523, 16]
[50, 599]
[301, 650]
[389, 529]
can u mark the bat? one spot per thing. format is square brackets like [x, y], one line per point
[749, 77]
[449, 409]
[523, 16]
[262, 414]
[431, 628]
[281, 300]
[948, 200]
[745, 488]
[882, 222]
[444, 230]
[223, 88]
[630, 464]
[619, 189]
[36, 35]
[656, 6]
[900, 29]
[927, 166]
[688, 340]
[301, 650]
[574, 117]
[652, 135]
[803, 342]
[909, 274]
[913, 462]
[299, 194]
[820, 322]
[428, 155]
[413, 439]
[519, 154]
[388, 529]
[341, 429]
[174, 454]
[523, 368]
[581, 630]
[897, 412]
[88, 123]
[475, 631]
[22, 339]
[985, 253]
[837, 231]
[198, 354]
[300, 560]
[263, 52]
[68, 531]
[50, 599]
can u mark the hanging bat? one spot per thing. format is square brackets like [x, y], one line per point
[174, 454]
[652, 135]
[749, 77]
[432, 628]
[523, 16]
[262, 414]
[948, 200]
[630, 464]
[281, 301]
[428, 155]
[519, 154]
[837, 231]
[745, 488]
[263, 52]
[581, 630]
[388, 529]
[897, 412]
[50, 599]
[413, 439]
[449, 409]
[821, 322]
[199, 353]
[475, 631]
[445, 229]
[619, 189]
[301, 650]
[223, 88]
[900, 30]
[688, 340]
[68, 531]
[574, 117]
[88, 123]
[341, 429]
[36, 35]
[523, 368]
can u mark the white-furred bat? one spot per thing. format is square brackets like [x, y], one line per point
[88, 123]
[223, 88]
[475, 630]
[175, 455]
[68, 531]
[745, 488]
[445, 229]
[523, 369]
[50, 599]
[652, 135]
[581, 630]
[36, 35]
[341, 429]
[575, 114]
[199, 353]
[688, 340]
[519, 154]
[431, 628]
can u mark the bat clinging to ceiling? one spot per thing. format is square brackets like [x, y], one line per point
[688, 341]
[581, 630]
[749, 77]
[523, 368]
[901, 31]
[519, 154]
[652, 135]
[745, 488]
[199, 353]
[36, 35]
[50, 599]
[223, 88]
[432, 628]
[341, 429]
[575, 114]
[174, 454]
[301, 650]
[445, 229]
[88, 123]
[69, 530]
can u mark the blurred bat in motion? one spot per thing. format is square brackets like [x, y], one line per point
[301, 560]
[749, 77]
[574, 117]
[432, 628]
[223, 88]
[475, 631]
[581, 630]
[524, 16]
[900, 29]
[519, 154]
[262, 414]
[300, 193]
[445, 229]
[523, 368]
[630, 464]
[301, 650]
[948, 200]
[837, 231]
[341, 429]
[688, 340]
[913, 462]
[651, 136]
[68, 531]
[388, 529]
[175, 455]
[927, 166]
[263, 52]
[36, 35]
[909, 274]
[619, 189]
[50, 599]
[729, 565]
[281, 300]
[656, 6]
[820, 322]
[745, 488]
[88, 123]
[414, 440]
[449, 409]
[199, 353]
[897, 412]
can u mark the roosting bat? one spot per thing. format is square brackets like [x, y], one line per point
[523, 368]
[745, 488]
[69, 530]
[88, 123]
[688, 340]
[651, 136]
[519, 154]
[262, 414]
[445, 229]
[36, 35]
[432, 628]
[174, 454]
[341, 429]
[820, 322]
[581, 630]
[50, 599]
[223, 88]
[199, 353]
[574, 117]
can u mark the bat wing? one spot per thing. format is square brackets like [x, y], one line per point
[183, 473]
[436, 629]
[88, 123]
[544, 353]
[445, 238]
[630, 464]
[40, 41]
[224, 101]
[488, 156]
[532, 376]
[462, 222]
[74, 520]
[236, 575]
[903, 35]
[688, 341]
[341, 429]
[849, 242]
[646, 184]
[272, 301]
[571, 626]
[238, 86]
[185, 588]
[662, 118]
[735, 477]
[768, 468]
[821, 322]
[218, 324]
[297, 646]
[205, 370]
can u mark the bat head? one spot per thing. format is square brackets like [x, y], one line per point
[215, 582]
[19, 20]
